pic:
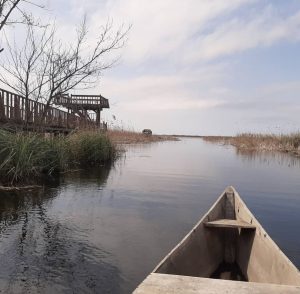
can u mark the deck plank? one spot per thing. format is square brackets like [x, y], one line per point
[167, 284]
[229, 223]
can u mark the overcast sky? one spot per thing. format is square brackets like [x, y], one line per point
[217, 67]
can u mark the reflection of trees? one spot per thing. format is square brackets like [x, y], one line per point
[42, 253]
[283, 159]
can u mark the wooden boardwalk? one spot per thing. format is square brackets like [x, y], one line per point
[19, 113]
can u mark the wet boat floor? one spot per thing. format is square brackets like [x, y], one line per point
[228, 271]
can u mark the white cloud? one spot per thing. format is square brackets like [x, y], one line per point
[238, 35]
[161, 28]
[178, 91]
[174, 66]
[177, 30]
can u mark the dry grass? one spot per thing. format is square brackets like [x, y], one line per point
[268, 142]
[129, 137]
[287, 143]
[217, 139]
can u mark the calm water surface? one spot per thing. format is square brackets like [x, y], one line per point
[104, 231]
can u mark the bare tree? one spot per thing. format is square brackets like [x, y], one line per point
[73, 66]
[21, 69]
[14, 12]
[8, 7]
[45, 67]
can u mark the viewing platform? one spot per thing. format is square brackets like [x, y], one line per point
[83, 105]
[19, 113]
[87, 102]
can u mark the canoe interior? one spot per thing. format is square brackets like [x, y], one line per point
[229, 243]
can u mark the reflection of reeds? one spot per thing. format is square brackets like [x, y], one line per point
[268, 157]
[25, 157]
[272, 142]
[130, 137]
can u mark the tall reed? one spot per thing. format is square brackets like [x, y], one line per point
[284, 142]
[252, 141]
[26, 157]
[90, 148]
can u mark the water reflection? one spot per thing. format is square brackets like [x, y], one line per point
[268, 157]
[104, 230]
[43, 253]
[15, 205]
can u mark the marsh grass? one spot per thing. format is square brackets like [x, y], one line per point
[131, 137]
[24, 158]
[90, 148]
[271, 142]
[283, 142]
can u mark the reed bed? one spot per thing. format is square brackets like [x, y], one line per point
[268, 142]
[25, 158]
[131, 137]
[289, 142]
[90, 148]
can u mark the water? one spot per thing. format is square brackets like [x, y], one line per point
[104, 231]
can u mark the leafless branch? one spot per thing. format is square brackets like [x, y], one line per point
[21, 16]
[45, 67]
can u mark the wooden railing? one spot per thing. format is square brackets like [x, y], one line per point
[66, 100]
[16, 110]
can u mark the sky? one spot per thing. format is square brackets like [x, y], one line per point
[199, 67]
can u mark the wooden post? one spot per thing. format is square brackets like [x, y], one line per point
[2, 110]
[9, 105]
[98, 111]
[17, 112]
[36, 114]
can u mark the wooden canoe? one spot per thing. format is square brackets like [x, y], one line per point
[227, 247]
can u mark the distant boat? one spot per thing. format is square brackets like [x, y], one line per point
[226, 249]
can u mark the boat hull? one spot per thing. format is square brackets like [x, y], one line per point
[229, 234]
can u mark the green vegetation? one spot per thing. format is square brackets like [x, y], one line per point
[90, 148]
[24, 158]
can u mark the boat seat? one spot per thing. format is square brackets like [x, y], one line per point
[229, 223]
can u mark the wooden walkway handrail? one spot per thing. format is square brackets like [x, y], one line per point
[68, 101]
[16, 110]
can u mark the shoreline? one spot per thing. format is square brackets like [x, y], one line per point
[128, 137]
[71, 153]
[27, 158]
